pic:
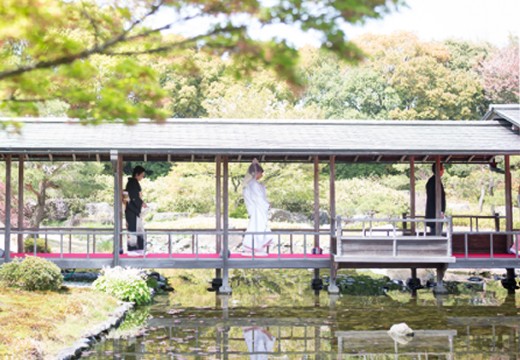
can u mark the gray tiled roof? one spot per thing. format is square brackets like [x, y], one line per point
[277, 140]
[509, 112]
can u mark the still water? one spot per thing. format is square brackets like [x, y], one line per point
[298, 324]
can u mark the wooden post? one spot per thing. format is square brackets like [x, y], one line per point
[509, 200]
[225, 288]
[122, 221]
[412, 193]
[333, 288]
[438, 196]
[20, 201]
[115, 159]
[218, 209]
[316, 200]
[7, 208]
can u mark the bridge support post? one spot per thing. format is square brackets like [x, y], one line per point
[225, 288]
[509, 282]
[440, 288]
[333, 289]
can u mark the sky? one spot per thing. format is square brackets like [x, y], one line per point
[474, 20]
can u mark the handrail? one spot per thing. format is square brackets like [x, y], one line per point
[284, 237]
[394, 233]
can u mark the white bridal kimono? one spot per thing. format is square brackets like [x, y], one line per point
[258, 340]
[257, 206]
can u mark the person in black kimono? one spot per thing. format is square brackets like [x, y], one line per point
[430, 200]
[133, 209]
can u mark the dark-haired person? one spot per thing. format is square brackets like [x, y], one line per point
[134, 223]
[431, 212]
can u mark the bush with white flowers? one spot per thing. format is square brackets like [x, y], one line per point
[126, 284]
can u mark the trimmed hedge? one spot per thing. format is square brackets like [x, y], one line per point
[31, 273]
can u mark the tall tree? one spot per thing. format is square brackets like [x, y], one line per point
[501, 75]
[51, 49]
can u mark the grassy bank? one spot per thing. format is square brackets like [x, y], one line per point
[40, 324]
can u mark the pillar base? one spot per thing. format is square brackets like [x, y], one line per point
[224, 290]
[440, 290]
[333, 289]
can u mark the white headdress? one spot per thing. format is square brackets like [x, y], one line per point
[252, 171]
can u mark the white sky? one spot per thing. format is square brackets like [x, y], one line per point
[474, 20]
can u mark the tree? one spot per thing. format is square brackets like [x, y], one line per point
[401, 78]
[501, 75]
[93, 56]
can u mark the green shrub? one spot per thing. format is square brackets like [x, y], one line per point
[31, 273]
[126, 284]
[28, 245]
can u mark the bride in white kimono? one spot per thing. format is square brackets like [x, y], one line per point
[255, 197]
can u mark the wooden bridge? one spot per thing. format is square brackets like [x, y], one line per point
[232, 141]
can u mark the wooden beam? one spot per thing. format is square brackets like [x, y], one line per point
[438, 198]
[412, 193]
[471, 158]
[20, 202]
[192, 157]
[448, 159]
[73, 157]
[378, 159]
[50, 157]
[225, 288]
[356, 158]
[7, 236]
[145, 157]
[116, 160]
[218, 202]
[425, 158]
[508, 199]
[403, 158]
[97, 158]
[316, 200]
[169, 157]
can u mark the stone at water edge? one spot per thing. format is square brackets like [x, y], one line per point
[401, 333]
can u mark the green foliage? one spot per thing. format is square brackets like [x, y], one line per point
[31, 273]
[154, 170]
[100, 59]
[402, 78]
[28, 245]
[369, 196]
[126, 284]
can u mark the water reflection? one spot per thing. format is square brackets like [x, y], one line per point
[344, 327]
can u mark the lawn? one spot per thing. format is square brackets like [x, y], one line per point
[41, 324]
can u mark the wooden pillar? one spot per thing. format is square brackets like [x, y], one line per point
[438, 196]
[316, 200]
[509, 199]
[115, 159]
[412, 193]
[225, 288]
[122, 221]
[20, 201]
[218, 209]
[333, 288]
[316, 208]
[7, 207]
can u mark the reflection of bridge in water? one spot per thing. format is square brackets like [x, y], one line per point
[321, 333]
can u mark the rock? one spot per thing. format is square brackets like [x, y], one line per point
[324, 217]
[100, 212]
[280, 215]
[401, 333]
[57, 209]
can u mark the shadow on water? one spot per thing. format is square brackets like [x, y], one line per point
[299, 324]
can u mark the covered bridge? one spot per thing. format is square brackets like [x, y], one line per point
[317, 142]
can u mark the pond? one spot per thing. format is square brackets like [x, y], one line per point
[299, 324]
